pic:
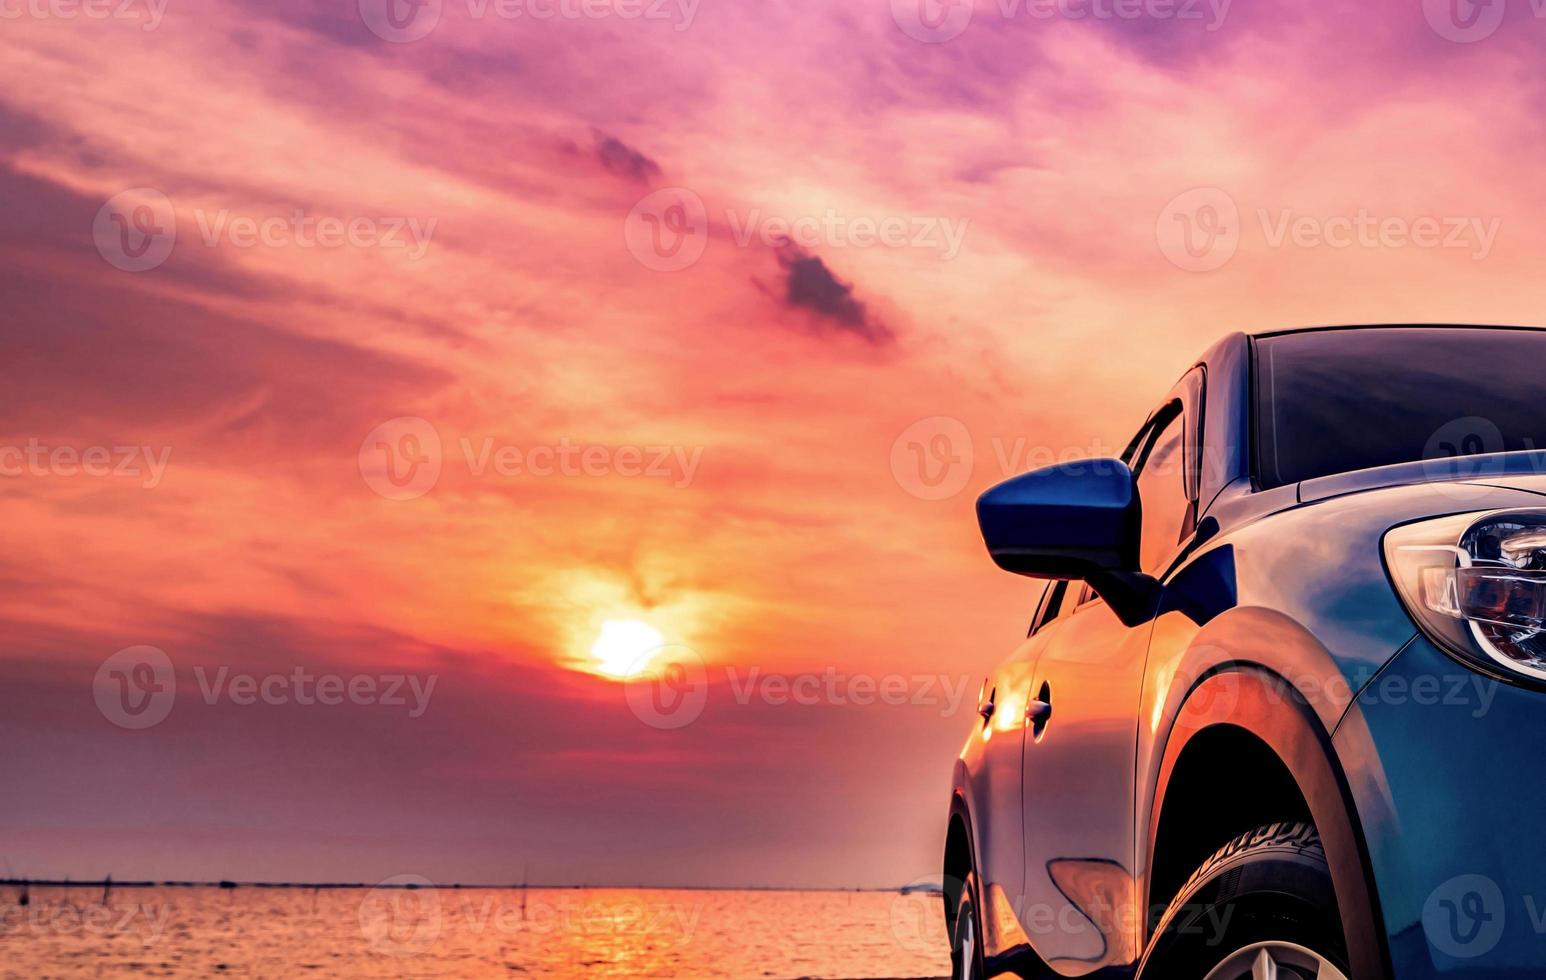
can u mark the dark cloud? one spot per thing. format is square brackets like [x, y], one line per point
[810, 285]
[21, 130]
[95, 359]
[95, 353]
[621, 159]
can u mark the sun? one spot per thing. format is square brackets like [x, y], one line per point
[625, 647]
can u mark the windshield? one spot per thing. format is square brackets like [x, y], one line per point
[1333, 401]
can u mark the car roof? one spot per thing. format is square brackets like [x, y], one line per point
[1396, 326]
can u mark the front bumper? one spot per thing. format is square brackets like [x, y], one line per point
[1447, 769]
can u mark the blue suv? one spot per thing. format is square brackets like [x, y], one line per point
[1278, 708]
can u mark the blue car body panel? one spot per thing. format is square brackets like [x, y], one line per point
[1280, 618]
[1450, 798]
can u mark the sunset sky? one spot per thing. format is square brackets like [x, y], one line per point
[685, 293]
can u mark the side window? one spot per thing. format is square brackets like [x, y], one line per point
[1062, 602]
[1054, 606]
[1042, 588]
[1167, 456]
[1162, 491]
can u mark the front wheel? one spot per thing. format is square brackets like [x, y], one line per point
[966, 960]
[1262, 906]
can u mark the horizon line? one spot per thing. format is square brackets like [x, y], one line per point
[228, 885]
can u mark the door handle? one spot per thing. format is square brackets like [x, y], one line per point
[1039, 711]
[987, 711]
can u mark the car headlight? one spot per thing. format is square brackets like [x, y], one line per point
[1476, 583]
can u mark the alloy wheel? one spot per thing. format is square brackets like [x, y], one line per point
[1275, 961]
[967, 957]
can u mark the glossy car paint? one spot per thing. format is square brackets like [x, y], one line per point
[1450, 792]
[1275, 619]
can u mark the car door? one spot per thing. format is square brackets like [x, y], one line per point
[1000, 826]
[1080, 907]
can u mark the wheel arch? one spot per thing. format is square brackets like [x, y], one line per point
[1257, 728]
[960, 857]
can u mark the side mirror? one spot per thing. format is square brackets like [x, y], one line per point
[1077, 520]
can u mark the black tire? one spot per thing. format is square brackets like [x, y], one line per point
[966, 960]
[1267, 892]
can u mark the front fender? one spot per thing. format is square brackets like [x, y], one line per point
[1250, 698]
